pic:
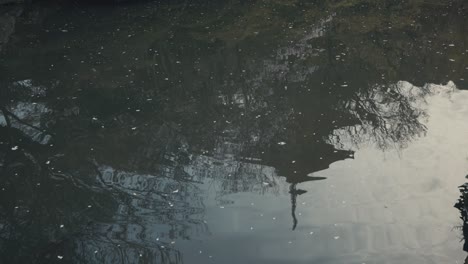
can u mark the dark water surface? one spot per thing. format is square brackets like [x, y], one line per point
[235, 132]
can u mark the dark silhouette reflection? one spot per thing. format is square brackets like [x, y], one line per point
[461, 205]
[294, 193]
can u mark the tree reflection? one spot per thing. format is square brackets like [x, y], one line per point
[461, 205]
[117, 143]
[390, 116]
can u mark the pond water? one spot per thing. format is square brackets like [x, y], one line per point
[235, 132]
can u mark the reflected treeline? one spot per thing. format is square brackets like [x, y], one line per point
[112, 128]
